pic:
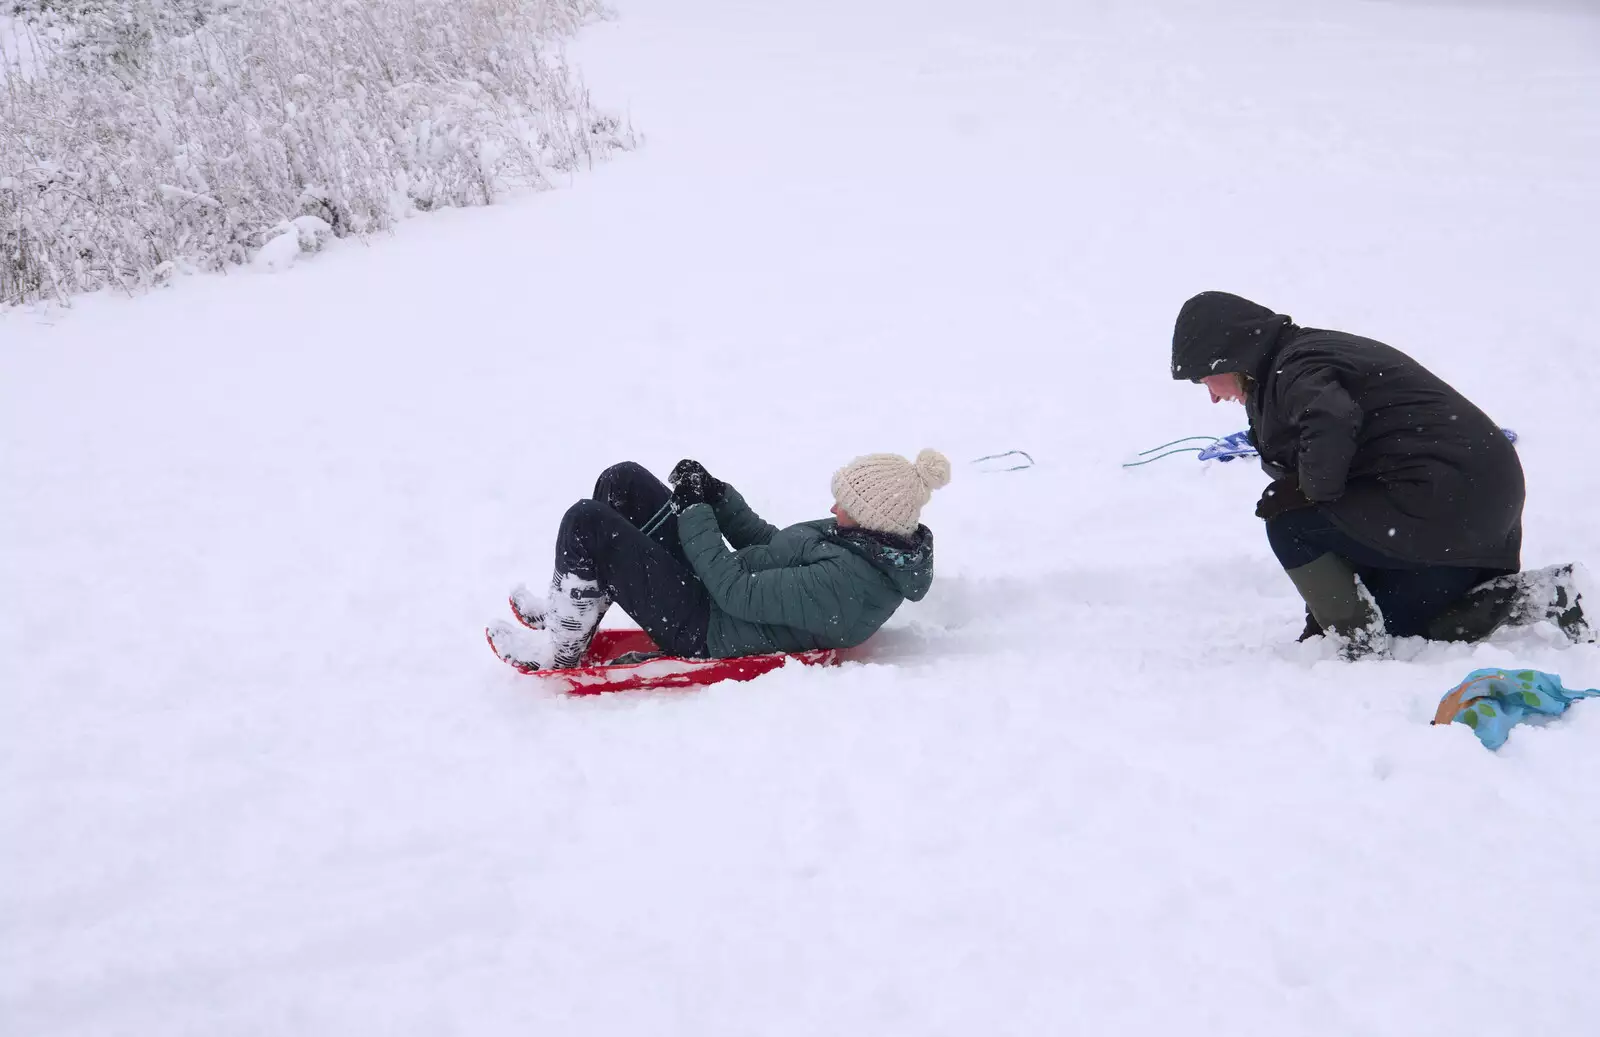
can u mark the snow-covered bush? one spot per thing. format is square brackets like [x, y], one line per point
[164, 134]
[99, 32]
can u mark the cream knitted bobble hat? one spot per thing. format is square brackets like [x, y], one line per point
[885, 492]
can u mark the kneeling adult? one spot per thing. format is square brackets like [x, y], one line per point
[1379, 469]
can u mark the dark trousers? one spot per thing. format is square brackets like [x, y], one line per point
[1408, 594]
[647, 576]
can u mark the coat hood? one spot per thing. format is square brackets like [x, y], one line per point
[906, 561]
[1218, 333]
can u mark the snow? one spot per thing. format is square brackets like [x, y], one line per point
[261, 775]
[280, 251]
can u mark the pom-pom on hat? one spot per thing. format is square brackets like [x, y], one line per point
[885, 492]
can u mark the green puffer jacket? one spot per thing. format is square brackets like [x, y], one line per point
[812, 585]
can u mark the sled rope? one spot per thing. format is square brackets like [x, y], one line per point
[1008, 453]
[659, 519]
[670, 509]
[1218, 448]
[1168, 453]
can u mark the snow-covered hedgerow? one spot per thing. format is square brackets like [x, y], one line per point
[169, 134]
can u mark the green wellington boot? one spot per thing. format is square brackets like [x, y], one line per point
[1341, 606]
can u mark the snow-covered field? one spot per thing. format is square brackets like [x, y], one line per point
[260, 775]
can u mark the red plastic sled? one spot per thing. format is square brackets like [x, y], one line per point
[598, 675]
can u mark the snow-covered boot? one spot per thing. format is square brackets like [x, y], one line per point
[1341, 606]
[531, 607]
[1521, 599]
[1565, 604]
[560, 625]
[1368, 638]
[1555, 594]
[576, 607]
[526, 650]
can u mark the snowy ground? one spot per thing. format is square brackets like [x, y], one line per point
[260, 774]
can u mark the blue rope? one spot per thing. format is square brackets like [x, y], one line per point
[1175, 442]
[1008, 453]
[1169, 453]
[659, 519]
[1181, 450]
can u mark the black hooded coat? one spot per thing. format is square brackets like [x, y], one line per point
[1398, 459]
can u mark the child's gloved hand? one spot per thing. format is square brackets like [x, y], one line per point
[692, 484]
[1281, 496]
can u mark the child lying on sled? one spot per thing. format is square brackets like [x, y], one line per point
[659, 554]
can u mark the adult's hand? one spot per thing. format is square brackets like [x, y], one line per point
[1281, 496]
